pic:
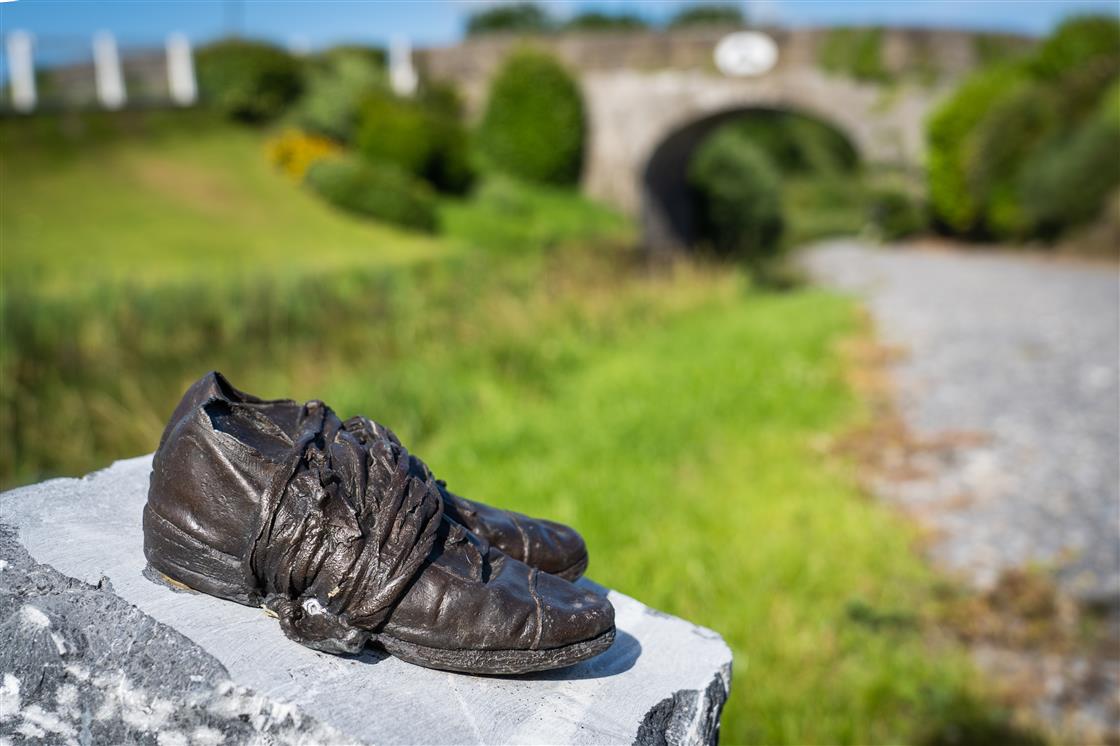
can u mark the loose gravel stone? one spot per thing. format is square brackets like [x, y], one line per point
[1023, 352]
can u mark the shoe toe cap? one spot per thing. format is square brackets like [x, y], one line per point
[570, 613]
[557, 549]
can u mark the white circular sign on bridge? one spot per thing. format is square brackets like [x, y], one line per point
[746, 54]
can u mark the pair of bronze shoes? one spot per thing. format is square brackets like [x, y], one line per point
[348, 539]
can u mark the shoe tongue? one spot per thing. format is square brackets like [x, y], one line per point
[249, 428]
[215, 386]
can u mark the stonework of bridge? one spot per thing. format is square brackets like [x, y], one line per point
[651, 99]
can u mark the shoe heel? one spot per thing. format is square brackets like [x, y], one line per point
[185, 561]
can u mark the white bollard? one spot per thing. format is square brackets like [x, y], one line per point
[180, 70]
[402, 75]
[21, 71]
[107, 71]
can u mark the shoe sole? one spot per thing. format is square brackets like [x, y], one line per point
[496, 662]
[486, 662]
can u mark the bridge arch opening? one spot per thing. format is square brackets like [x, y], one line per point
[668, 205]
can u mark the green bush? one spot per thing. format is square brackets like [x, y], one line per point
[1076, 43]
[442, 99]
[818, 206]
[525, 18]
[1004, 138]
[951, 140]
[737, 198]
[713, 14]
[895, 213]
[798, 144]
[380, 191]
[1108, 109]
[857, 52]
[423, 137]
[992, 49]
[1068, 182]
[533, 127]
[1026, 112]
[337, 82]
[1077, 94]
[508, 215]
[248, 80]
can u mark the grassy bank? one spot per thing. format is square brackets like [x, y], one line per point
[148, 201]
[165, 204]
[674, 417]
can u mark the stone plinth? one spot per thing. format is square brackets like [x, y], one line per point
[92, 651]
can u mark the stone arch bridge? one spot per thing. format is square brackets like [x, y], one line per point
[652, 98]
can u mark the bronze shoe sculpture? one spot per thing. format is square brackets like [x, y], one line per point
[545, 545]
[345, 539]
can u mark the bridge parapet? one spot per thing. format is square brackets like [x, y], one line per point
[471, 63]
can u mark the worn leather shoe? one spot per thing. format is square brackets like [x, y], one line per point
[345, 539]
[545, 545]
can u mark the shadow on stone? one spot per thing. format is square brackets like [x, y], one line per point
[370, 655]
[618, 658]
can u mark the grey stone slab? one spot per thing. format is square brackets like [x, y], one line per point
[80, 624]
[78, 664]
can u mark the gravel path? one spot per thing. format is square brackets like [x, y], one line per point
[1025, 352]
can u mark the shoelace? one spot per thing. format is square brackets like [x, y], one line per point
[345, 526]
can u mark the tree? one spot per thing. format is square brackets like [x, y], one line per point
[714, 14]
[526, 18]
[594, 21]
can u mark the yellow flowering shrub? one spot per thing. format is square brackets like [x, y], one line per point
[294, 151]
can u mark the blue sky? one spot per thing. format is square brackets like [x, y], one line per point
[63, 27]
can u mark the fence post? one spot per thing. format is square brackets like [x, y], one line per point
[21, 71]
[107, 71]
[402, 75]
[181, 82]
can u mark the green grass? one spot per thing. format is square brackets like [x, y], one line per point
[158, 205]
[686, 456]
[675, 418]
[506, 216]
